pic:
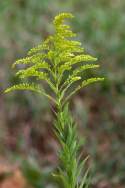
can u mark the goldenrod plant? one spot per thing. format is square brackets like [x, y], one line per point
[61, 63]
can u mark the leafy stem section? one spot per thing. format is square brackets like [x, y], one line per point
[70, 169]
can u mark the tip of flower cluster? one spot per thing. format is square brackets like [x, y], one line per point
[61, 16]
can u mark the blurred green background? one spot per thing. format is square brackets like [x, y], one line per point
[26, 136]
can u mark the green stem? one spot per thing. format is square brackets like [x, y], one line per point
[66, 133]
[67, 136]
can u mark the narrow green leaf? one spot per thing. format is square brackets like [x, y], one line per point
[84, 180]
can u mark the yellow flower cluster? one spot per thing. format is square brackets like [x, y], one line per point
[59, 61]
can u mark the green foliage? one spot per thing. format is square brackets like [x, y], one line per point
[60, 62]
[71, 167]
